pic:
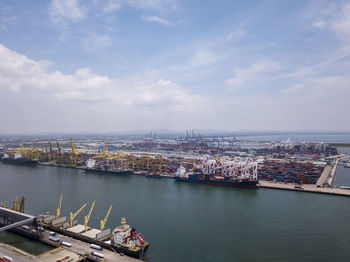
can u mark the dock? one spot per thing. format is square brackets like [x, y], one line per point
[79, 251]
[76, 250]
[305, 188]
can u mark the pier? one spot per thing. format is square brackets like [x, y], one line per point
[305, 188]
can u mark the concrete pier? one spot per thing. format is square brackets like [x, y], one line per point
[305, 188]
[77, 251]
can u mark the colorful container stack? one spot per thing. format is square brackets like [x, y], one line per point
[289, 172]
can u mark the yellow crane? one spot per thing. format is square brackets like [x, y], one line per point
[74, 153]
[72, 216]
[86, 218]
[58, 210]
[103, 222]
[59, 153]
[51, 152]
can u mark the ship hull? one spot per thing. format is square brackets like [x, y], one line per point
[111, 172]
[153, 176]
[243, 184]
[135, 252]
[21, 162]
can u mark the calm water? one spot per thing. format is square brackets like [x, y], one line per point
[23, 243]
[185, 222]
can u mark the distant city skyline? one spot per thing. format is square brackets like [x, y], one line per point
[92, 66]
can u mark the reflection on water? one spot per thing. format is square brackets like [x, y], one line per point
[25, 244]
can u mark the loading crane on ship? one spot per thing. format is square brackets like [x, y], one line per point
[72, 216]
[103, 222]
[18, 205]
[58, 210]
[87, 217]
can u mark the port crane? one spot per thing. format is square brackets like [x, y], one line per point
[72, 216]
[103, 222]
[51, 152]
[18, 205]
[87, 217]
[74, 153]
[58, 210]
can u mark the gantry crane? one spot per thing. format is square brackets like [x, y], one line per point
[51, 152]
[58, 210]
[86, 218]
[74, 153]
[103, 222]
[59, 153]
[72, 216]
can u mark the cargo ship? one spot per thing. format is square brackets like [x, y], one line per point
[152, 175]
[124, 239]
[116, 171]
[90, 167]
[18, 160]
[224, 172]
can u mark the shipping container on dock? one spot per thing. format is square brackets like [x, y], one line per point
[290, 172]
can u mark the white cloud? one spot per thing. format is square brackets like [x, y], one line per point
[63, 11]
[138, 98]
[236, 35]
[335, 17]
[253, 73]
[111, 6]
[96, 42]
[204, 57]
[153, 4]
[7, 18]
[157, 19]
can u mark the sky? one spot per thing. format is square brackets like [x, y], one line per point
[117, 65]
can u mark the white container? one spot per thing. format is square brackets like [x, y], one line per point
[51, 233]
[66, 244]
[96, 247]
[98, 254]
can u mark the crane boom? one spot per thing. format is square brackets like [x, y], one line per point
[87, 217]
[73, 147]
[58, 210]
[103, 222]
[59, 152]
[72, 216]
[51, 152]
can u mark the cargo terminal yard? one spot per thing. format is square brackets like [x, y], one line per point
[218, 161]
[281, 164]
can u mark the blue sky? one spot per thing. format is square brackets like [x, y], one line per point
[102, 66]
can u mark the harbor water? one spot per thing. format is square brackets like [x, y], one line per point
[30, 246]
[186, 222]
